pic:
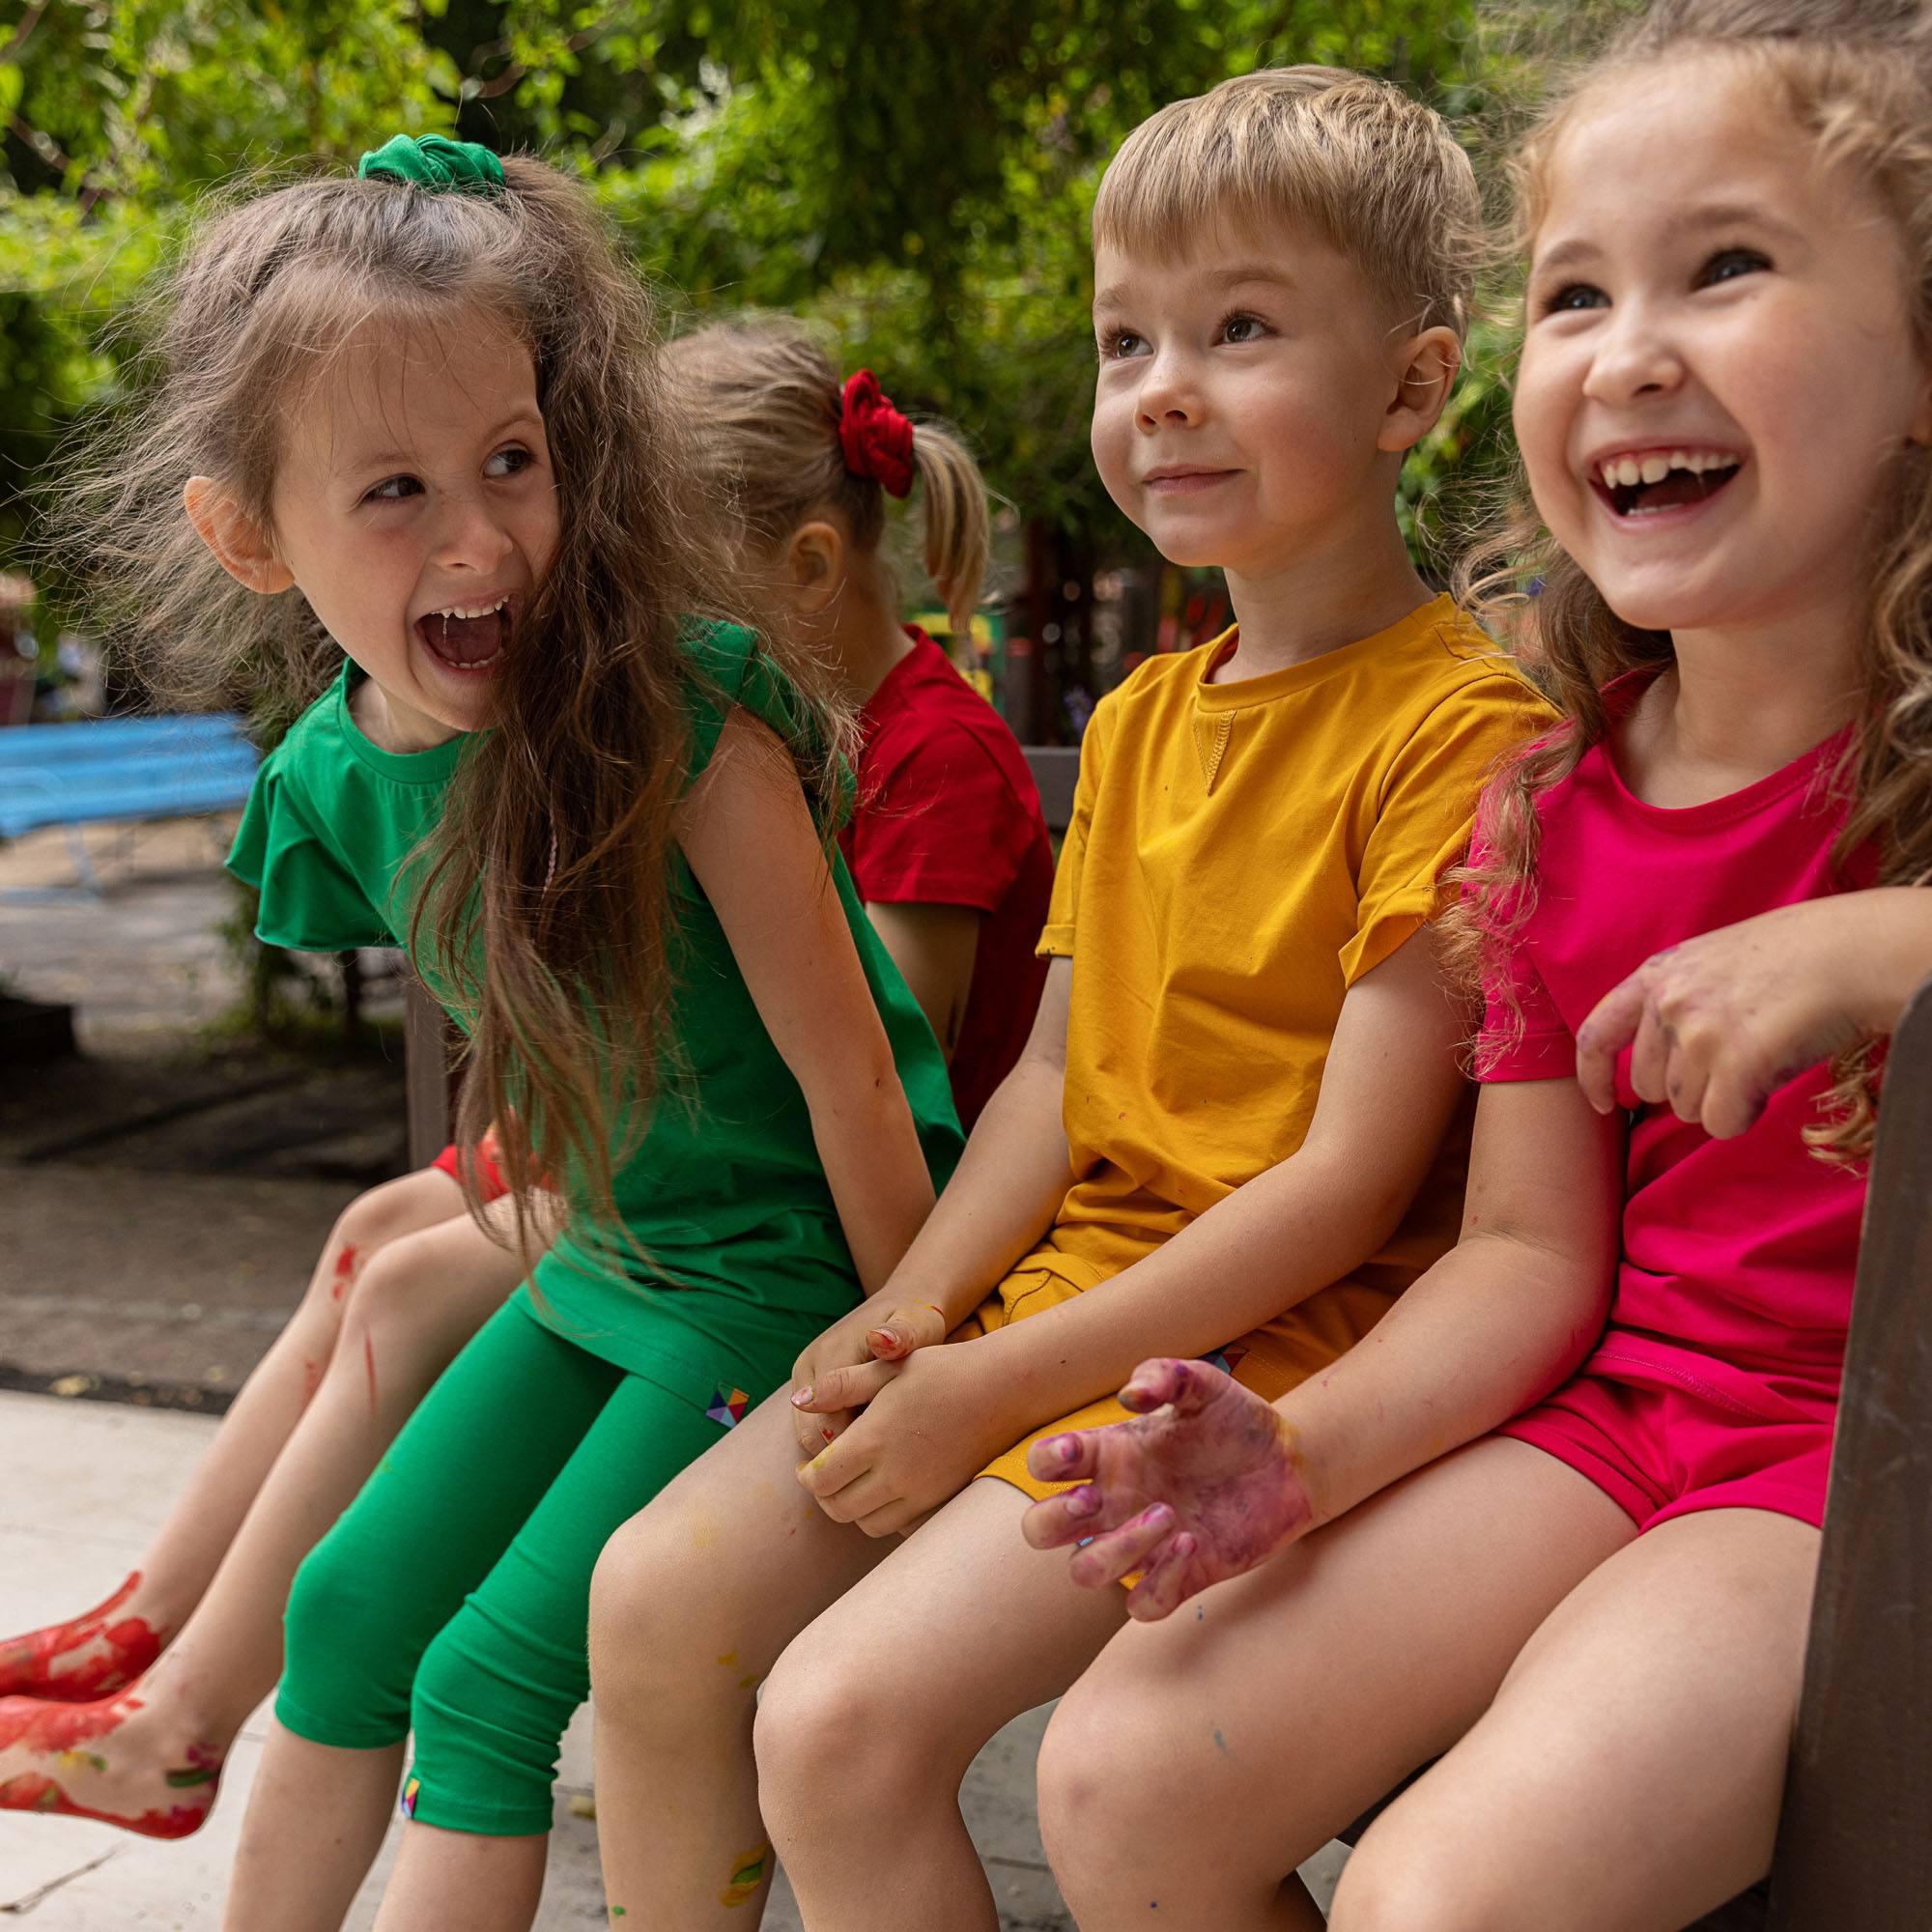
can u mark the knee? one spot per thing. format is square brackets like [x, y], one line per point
[337, 1641]
[663, 1628]
[1103, 1805]
[1406, 1877]
[821, 1703]
[381, 1213]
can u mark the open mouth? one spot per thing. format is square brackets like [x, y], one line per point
[1643, 484]
[467, 639]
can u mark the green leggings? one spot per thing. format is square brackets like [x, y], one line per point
[453, 1594]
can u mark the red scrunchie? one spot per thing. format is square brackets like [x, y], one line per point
[877, 440]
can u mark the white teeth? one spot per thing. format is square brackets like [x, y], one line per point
[1654, 466]
[481, 609]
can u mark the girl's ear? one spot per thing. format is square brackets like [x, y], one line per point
[1425, 372]
[815, 560]
[239, 544]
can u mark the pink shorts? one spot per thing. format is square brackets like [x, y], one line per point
[1663, 1441]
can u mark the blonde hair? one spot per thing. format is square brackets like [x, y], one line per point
[1855, 77]
[1375, 173]
[763, 400]
[540, 904]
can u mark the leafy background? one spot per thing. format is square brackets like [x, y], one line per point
[916, 174]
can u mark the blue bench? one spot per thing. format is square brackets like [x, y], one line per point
[121, 769]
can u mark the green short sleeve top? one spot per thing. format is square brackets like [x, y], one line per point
[725, 1193]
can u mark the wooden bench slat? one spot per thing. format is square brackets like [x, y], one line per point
[1855, 1844]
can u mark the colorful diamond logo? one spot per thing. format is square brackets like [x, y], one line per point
[727, 1406]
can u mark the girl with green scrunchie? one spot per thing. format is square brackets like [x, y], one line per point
[410, 439]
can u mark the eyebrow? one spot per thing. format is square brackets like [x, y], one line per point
[1692, 221]
[388, 459]
[1114, 295]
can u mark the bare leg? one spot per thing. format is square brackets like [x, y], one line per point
[1203, 1758]
[1628, 1777]
[330, 1809]
[871, 1718]
[693, 1601]
[105, 1649]
[155, 1752]
[463, 1883]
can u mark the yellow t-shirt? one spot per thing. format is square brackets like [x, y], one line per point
[1239, 856]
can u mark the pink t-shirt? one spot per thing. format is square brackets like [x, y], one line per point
[1735, 1252]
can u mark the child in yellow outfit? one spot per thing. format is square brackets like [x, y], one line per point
[1295, 823]
[1236, 1124]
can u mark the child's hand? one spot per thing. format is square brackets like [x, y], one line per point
[1202, 1485]
[854, 1359]
[1716, 1026]
[927, 1432]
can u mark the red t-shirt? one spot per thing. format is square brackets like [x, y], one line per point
[947, 815]
[1735, 1252]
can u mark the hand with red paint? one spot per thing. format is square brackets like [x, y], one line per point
[847, 1366]
[1716, 1026]
[1204, 1483]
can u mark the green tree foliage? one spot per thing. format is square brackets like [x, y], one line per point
[917, 175]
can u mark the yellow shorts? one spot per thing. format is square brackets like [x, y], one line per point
[1269, 1360]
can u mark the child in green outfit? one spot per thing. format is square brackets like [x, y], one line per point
[415, 416]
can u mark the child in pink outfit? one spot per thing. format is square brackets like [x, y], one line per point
[1715, 1383]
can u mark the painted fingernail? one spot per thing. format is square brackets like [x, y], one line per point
[800, 1397]
[1084, 1501]
[1065, 1448]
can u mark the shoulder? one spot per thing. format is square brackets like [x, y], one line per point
[942, 727]
[1455, 685]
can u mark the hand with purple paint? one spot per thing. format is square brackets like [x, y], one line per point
[1204, 1483]
[854, 1359]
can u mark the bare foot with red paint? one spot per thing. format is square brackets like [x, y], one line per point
[1203, 1483]
[93, 1655]
[102, 1761]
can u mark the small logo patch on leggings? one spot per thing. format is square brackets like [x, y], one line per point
[727, 1406]
[409, 1791]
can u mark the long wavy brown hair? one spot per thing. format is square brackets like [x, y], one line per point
[542, 916]
[1855, 77]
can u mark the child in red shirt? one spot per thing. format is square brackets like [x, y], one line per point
[946, 844]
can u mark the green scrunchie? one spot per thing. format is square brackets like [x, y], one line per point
[428, 160]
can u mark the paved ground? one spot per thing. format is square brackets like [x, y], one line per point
[163, 1193]
[72, 1517]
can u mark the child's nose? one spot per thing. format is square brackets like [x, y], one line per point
[471, 536]
[1638, 357]
[1168, 394]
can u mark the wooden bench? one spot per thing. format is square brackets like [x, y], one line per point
[121, 769]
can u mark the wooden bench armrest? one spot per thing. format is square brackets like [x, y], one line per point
[1855, 1844]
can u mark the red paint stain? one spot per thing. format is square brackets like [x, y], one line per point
[345, 1274]
[122, 1649]
[311, 1380]
[31, 1791]
[369, 1363]
[39, 1724]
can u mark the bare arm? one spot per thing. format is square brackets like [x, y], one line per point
[749, 839]
[1388, 1093]
[1013, 1174]
[1207, 1481]
[934, 947]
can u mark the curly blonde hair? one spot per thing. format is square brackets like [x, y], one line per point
[1855, 77]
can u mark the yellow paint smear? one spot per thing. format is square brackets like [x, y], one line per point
[748, 1874]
